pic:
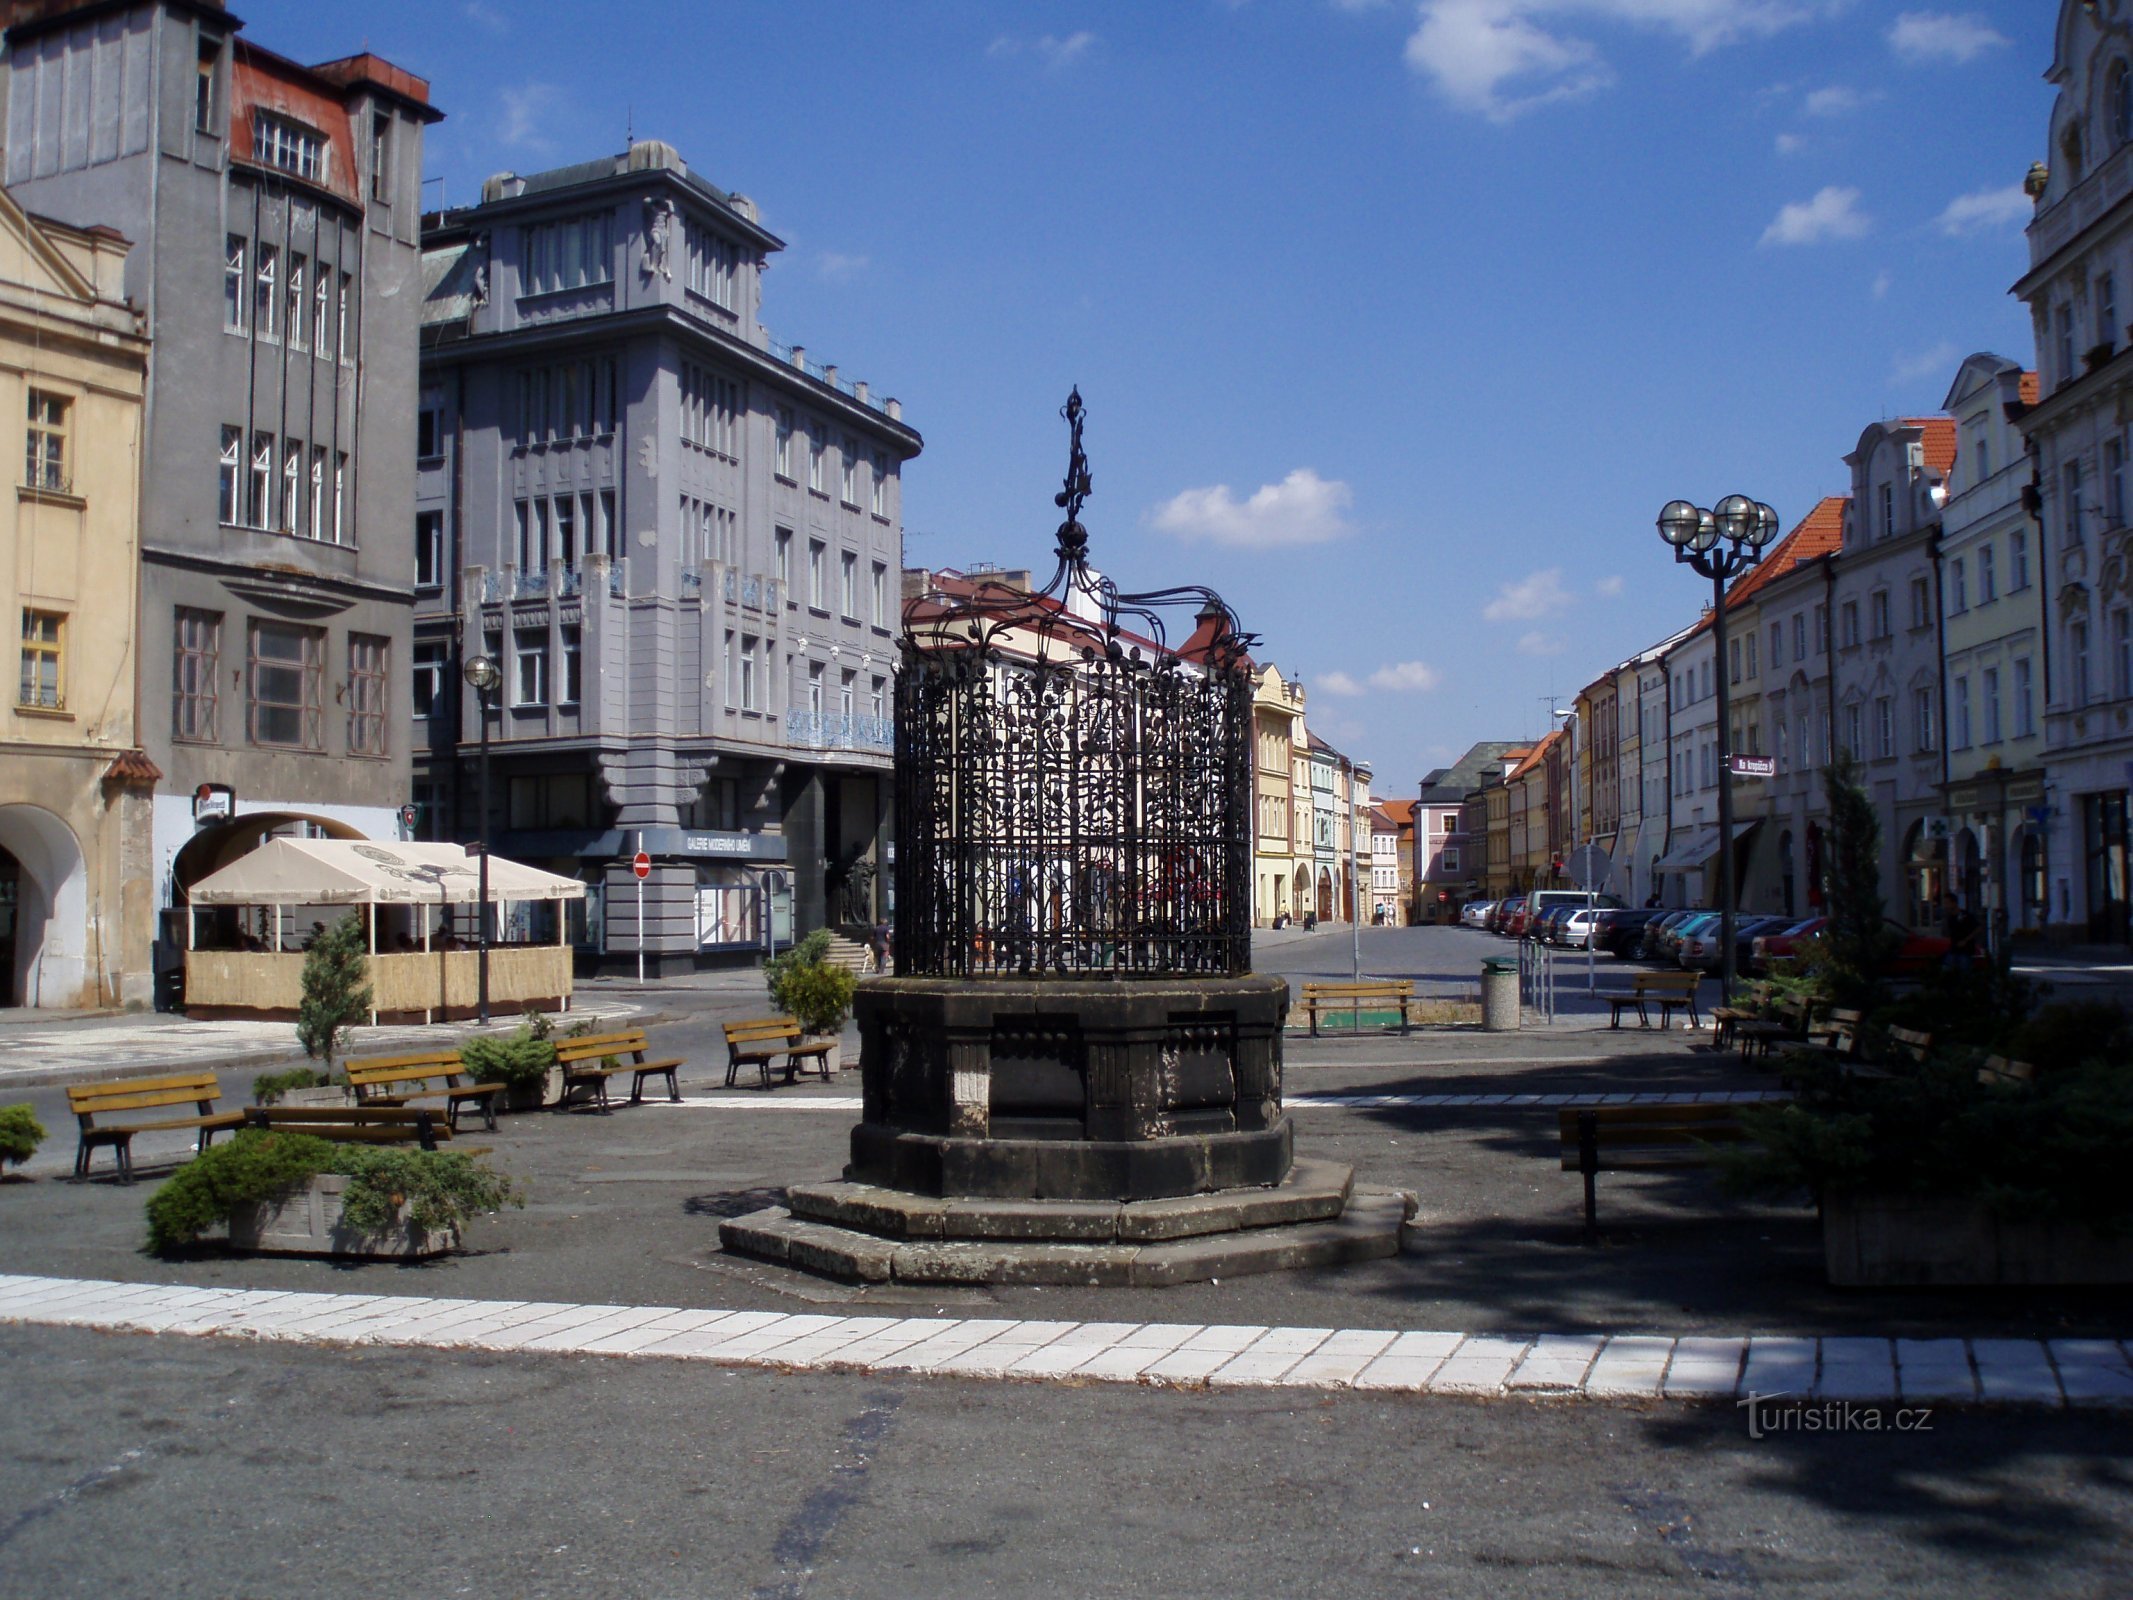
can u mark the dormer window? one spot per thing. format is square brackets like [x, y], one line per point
[291, 146]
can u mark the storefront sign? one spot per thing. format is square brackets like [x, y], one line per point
[1753, 766]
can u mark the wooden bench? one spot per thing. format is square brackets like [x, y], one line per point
[200, 1090]
[761, 1040]
[1383, 993]
[395, 1080]
[1669, 1134]
[583, 1060]
[2001, 1073]
[1911, 1045]
[1670, 990]
[376, 1124]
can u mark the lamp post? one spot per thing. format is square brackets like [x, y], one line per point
[483, 676]
[1720, 544]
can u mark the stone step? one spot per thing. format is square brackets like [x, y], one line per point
[1314, 1191]
[1372, 1225]
[849, 954]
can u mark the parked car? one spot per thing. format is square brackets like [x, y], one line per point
[1475, 913]
[1576, 931]
[1916, 954]
[1547, 923]
[1783, 944]
[1544, 899]
[1502, 911]
[1621, 932]
[1671, 937]
[1702, 948]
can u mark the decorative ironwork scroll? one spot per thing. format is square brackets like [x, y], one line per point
[1073, 792]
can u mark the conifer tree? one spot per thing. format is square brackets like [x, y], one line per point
[336, 990]
[1857, 941]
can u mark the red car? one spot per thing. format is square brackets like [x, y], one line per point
[1784, 944]
[1917, 954]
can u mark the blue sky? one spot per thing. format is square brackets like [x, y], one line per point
[1397, 322]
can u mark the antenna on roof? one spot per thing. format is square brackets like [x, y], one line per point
[629, 127]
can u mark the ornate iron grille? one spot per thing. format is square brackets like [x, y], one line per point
[1073, 793]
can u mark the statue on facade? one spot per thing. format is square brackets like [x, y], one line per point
[658, 225]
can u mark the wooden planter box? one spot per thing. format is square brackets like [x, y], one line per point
[306, 1221]
[834, 1061]
[1880, 1240]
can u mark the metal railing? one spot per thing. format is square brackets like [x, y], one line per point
[839, 730]
[692, 581]
[530, 583]
[618, 578]
[782, 351]
[1536, 978]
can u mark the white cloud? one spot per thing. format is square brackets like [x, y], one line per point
[1538, 594]
[1791, 144]
[526, 112]
[486, 15]
[1835, 101]
[1301, 509]
[1337, 683]
[1057, 52]
[1882, 280]
[1609, 588]
[1920, 36]
[1537, 643]
[1985, 210]
[1406, 677]
[1937, 362]
[1502, 58]
[1832, 214]
[834, 266]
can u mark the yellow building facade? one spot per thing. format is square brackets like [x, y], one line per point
[76, 876]
[1277, 744]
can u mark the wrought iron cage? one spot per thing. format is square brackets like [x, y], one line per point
[1073, 792]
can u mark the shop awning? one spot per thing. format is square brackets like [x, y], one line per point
[1695, 852]
[355, 872]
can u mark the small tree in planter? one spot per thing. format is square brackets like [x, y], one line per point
[299, 1086]
[336, 989]
[812, 992]
[20, 1134]
[1853, 950]
[520, 1061]
[293, 1193]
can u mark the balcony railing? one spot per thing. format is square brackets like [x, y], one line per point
[692, 581]
[781, 351]
[530, 583]
[839, 730]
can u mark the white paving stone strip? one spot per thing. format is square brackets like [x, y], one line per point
[1556, 1361]
[2079, 1372]
[1630, 1365]
[1704, 1368]
[1858, 1369]
[1934, 1369]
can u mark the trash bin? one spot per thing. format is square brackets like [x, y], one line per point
[1499, 994]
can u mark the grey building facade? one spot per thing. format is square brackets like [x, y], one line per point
[275, 212]
[680, 539]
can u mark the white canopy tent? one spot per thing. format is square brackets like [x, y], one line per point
[284, 872]
[354, 872]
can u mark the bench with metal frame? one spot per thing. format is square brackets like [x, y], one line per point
[395, 1080]
[584, 1060]
[1670, 991]
[1636, 1138]
[355, 1124]
[88, 1101]
[1385, 992]
[758, 1041]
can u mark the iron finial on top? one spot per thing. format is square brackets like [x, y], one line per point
[1073, 537]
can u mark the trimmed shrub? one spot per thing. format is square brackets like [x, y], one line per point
[271, 1085]
[516, 1060]
[20, 1134]
[250, 1167]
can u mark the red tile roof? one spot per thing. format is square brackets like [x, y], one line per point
[2030, 391]
[1402, 812]
[1819, 533]
[1537, 755]
[1937, 441]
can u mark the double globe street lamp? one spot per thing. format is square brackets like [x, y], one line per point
[1721, 544]
[483, 675]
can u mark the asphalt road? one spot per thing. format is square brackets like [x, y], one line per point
[220, 1468]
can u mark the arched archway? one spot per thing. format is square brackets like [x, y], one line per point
[1325, 895]
[48, 960]
[1969, 871]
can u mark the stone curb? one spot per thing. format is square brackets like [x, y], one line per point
[1768, 1376]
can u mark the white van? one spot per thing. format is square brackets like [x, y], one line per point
[1540, 901]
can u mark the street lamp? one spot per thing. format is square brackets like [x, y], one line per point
[483, 676]
[1720, 544]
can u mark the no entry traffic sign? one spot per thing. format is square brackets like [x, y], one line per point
[641, 864]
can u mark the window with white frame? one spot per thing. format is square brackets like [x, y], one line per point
[570, 253]
[287, 678]
[229, 476]
[529, 679]
[1989, 703]
[429, 678]
[292, 486]
[817, 447]
[280, 142]
[1988, 574]
[1961, 689]
[429, 549]
[369, 678]
[573, 641]
[235, 251]
[2077, 640]
[1777, 644]
[816, 578]
[44, 454]
[748, 683]
[2114, 481]
[878, 595]
[1885, 726]
[266, 294]
[2121, 653]
[1878, 609]
[1888, 511]
[781, 452]
[2025, 723]
[731, 676]
[297, 317]
[814, 688]
[259, 508]
[2070, 515]
[848, 585]
[196, 676]
[1851, 623]
[1854, 744]
[878, 485]
[848, 472]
